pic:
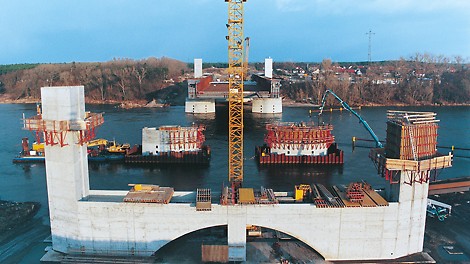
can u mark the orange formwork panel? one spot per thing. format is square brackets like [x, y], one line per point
[246, 196]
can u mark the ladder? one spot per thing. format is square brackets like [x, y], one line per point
[410, 132]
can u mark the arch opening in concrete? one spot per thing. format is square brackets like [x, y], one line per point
[187, 248]
[283, 245]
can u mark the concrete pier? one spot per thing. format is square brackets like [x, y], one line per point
[199, 106]
[66, 166]
[87, 221]
[267, 105]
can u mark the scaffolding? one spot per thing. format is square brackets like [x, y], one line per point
[55, 131]
[295, 136]
[411, 148]
[203, 200]
[182, 138]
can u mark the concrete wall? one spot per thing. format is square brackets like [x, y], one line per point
[197, 68]
[336, 233]
[268, 67]
[200, 106]
[267, 105]
[299, 151]
[108, 226]
[155, 141]
[66, 166]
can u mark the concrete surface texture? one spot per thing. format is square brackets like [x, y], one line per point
[199, 106]
[102, 224]
[267, 105]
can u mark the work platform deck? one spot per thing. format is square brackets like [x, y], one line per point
[370, 198]
[439, 161]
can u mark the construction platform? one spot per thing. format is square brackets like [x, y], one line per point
[411, 148]
[143, 193]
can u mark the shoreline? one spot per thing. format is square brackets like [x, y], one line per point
[144, 104]
[14, 214]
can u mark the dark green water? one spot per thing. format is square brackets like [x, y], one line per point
[27, 182]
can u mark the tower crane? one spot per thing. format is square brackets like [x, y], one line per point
[235, 96]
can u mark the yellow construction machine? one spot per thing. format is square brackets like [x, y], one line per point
[117, 148]
[302, 192]
[110, 146]
[97, 142]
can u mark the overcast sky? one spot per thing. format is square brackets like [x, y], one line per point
[286, 30]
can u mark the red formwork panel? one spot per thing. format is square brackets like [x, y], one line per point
[273, 158]
[404, 141]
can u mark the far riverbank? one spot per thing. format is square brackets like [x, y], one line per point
[143, 103]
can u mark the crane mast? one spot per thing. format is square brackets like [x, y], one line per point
[235, 95]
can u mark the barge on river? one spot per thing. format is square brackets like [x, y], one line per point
[171, 145]
[99, 150]
[163, 145]
[299, 143]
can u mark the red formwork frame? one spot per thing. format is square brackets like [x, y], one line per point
[287, 135]
[92, 122]
[181, 136]
[55, 132]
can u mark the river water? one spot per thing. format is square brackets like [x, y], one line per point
[27, 182]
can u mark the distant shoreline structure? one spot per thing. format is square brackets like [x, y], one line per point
[144, 104]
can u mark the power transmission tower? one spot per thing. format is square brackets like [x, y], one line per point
[369, 55]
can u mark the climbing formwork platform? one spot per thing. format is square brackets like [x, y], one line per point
[203, 200]
[298, 143]
[411, 147]
[55, 131]
[411, 135]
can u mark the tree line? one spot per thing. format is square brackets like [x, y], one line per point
[116, 80]
[420, 80]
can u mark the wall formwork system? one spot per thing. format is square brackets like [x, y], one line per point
[411, 148]
[172, 139]
[411, 134]
[302, 143]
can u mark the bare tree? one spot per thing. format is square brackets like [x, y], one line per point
[140, 72]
